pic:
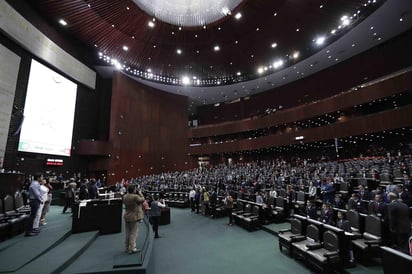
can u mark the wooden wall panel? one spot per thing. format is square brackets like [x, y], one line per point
[148, 130]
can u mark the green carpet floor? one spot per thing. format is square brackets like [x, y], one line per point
[196, 244]
[190, 244]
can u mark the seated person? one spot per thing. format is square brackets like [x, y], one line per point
[326, 214]
[364, 194]
[338, 203]
[310, 210]
[355, 203]
[377, 206]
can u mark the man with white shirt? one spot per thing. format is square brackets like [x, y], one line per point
[192, 194]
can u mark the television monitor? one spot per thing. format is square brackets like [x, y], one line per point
[47, 126]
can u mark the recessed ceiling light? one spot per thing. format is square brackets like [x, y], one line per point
[260, 70]
[179, 51]
[63, 22]
[333, 31]
[236, 42]
[321, 6]
[238, 73]
[295, 55]
[151, 24]
[274, 45]
[125, 48]
[275, 14]
[112, 26]
[133, 37]
[238, 15]
[320, 40]
[257, 29]
[277, 64]
[127, 8]
[204, 27]
[185, 80]
[180, 28]
[345, 20]
[297, 29]
[401, 19]
[216, 48]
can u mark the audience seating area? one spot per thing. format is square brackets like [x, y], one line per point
[13, 216]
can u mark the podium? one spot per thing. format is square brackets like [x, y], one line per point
[102, 215]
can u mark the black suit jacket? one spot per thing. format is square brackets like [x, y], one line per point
[398, 217]
[311, 212]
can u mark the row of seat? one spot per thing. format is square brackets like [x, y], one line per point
[247, 215]
[13, 216]
[177, 199]
[326, 247]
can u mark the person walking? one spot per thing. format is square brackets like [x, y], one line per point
[133, 202]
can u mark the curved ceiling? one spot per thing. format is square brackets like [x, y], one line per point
[271, 44]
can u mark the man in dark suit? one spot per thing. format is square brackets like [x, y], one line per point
[377, 206]
[398, 222]
[311, 210]
[364, 194]
[326, 214]
[404, 195]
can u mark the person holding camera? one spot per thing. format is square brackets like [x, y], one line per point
[155, 213]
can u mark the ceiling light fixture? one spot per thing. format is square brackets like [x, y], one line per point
[151, 24]
[188, 13]
[63, 22]
[238, 15]
[320, 40]
[185, 80]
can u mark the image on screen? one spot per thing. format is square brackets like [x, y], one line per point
[48, 112]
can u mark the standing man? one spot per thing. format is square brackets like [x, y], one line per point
[192, 194]
[133, 202]
[35, 196]
[155, 213]
[229, 207]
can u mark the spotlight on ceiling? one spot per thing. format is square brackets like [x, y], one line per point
[185, 80]
[277, 64]
[238, 15]
[63, 22]
[260, 70]
[179, 51]
[345, 20]
[125, 48]
[320, 40]
[274, 45]
[295, 55]
[151, 24]
[216, 48]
